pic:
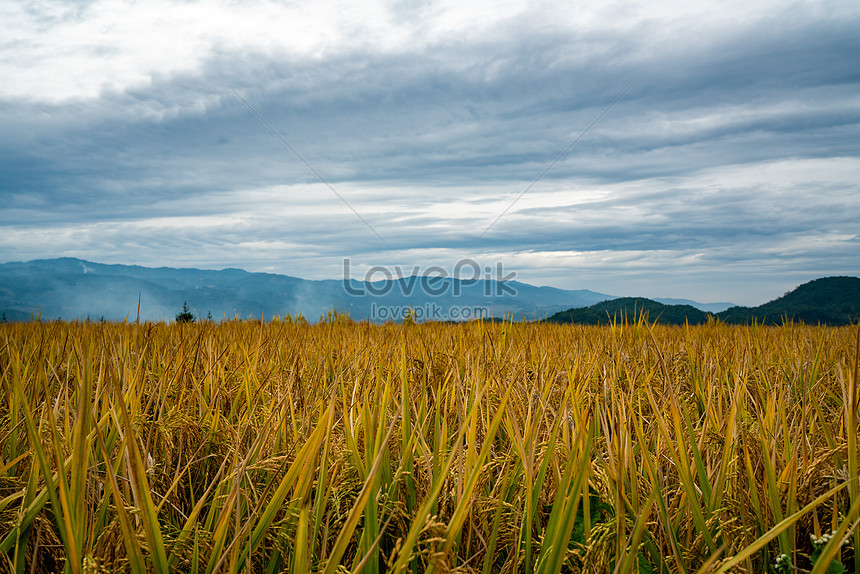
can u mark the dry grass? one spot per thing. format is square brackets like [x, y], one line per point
[495, 447]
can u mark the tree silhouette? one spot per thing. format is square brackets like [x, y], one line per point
[185, 316]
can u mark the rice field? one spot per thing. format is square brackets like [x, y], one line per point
[249, 447]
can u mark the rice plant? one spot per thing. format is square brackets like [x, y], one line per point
[249, 447]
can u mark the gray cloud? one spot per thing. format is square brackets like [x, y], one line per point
[431, 141]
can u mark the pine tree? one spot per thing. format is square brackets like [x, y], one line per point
[185, 316]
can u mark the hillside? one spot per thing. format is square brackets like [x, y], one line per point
[631, 308]
[826, 301]
[829, 301]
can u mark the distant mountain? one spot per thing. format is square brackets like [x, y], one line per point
[709, 307]
[827, 301]
[630, 308]
[76, 289]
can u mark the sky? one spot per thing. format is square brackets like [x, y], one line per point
[715, 145]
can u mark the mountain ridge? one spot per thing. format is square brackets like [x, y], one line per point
[70, 288]
[827, 300]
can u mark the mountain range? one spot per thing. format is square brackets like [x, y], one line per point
[827, 301]
[69, 289]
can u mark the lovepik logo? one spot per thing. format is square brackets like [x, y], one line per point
[434, 281]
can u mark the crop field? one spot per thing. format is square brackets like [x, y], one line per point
[256, 447]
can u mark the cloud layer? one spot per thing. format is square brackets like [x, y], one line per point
[728, 171]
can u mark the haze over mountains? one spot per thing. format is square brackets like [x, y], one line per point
[70, 289]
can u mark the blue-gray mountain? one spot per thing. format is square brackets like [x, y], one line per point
[75, 289]
[70, 288]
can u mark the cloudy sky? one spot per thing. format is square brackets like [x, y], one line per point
[728, 171]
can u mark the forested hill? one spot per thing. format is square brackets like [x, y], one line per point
[630, 308]
[827, 301]
[830, 301]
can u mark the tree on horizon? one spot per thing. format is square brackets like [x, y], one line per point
[185, 316]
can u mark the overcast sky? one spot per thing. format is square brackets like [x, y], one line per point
[729, 171]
